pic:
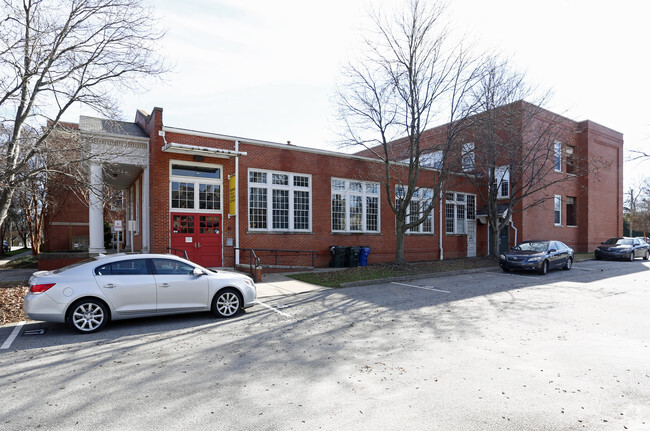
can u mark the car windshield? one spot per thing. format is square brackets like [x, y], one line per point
[532, 246]
[619, 241]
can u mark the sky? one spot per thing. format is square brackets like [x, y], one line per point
[267, 70]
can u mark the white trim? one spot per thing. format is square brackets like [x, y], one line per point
[196, 181]
[291, 188]
[347, 193]
[177, 148]
[555, 200]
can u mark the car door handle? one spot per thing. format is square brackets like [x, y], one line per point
[164, 285]
[109, 286]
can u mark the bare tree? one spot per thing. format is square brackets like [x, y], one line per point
[413, 73]
[518, 146]
[53, 54]
[637, 210]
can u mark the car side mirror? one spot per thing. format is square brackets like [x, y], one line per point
[552, 250]
[197, 272]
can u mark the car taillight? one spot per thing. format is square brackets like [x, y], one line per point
[40, 288]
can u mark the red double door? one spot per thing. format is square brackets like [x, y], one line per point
[199, 235]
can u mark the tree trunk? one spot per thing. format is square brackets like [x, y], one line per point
[399, 246]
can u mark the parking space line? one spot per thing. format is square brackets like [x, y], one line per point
[273, 309]
[13, 336]
[421, 287]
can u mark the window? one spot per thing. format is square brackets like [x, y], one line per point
[355, 206]
[571, 215]
[124, 267]
[432, 160]
[558, 210]
[195, 187]
[171, 267]
[459, 207]
[468, 157]
[570, 160]
[557, 156]
[420, 201]
[502, 180]
[279, 201]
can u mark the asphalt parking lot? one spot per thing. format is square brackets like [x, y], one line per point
[484, 350]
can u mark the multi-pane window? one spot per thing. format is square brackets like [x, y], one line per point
[468, 157]
[420, 201]
[459, 207]
[355, 206]
[557, 203]
[502, 180]
[557, 156]
[279, 201]
[195, 187]
[182, 195]
[571, 214]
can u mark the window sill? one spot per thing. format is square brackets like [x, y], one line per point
[280, 232]
[354, 233]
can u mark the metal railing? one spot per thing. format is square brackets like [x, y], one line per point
[177, 250]
[276, 253]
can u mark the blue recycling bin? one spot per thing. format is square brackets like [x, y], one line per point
[363, 255]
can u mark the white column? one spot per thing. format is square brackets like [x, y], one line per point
[146, 231]
[96, 211]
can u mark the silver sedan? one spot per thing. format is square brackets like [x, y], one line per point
[88, 294]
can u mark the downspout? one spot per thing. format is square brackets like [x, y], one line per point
[440, 229]
[237, 203]
[512, 224]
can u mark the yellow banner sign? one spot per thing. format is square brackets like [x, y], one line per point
[233, 196]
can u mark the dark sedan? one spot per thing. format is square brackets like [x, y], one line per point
[622, 248]
[539, 256]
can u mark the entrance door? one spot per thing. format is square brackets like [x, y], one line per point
[199, 235]
[471, 238]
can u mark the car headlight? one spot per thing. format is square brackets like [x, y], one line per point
[535, 259]
[502, 257]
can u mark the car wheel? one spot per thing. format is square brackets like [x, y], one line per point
[226, 303]
[646, 256]
[631, 258]
[568, 264]
[598, 257]
[544, 268]
[87, 316]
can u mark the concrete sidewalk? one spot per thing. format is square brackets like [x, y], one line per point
[281, 285]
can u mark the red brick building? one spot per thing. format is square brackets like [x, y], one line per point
[216, 197]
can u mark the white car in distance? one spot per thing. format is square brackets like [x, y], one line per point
[89, 294]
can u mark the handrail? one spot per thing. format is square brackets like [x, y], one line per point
[175, 250]
[276, 253]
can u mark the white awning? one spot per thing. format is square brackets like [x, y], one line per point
[197, 150]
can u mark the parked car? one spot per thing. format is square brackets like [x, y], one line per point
[537, 256]
[5, 247]
[88, 294]
[622, 248]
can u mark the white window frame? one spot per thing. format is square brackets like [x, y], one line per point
[369, 190]
[466, 204]
[468, 157]
[502, 178]
[557, 156]
[557, 209]
[197, 182]
[291, 188]
[422, 197]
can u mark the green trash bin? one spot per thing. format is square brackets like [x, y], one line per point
[352, 256]
[338, 256]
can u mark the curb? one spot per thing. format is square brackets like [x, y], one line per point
[418, 276]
